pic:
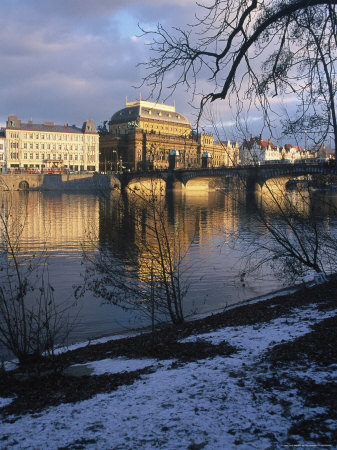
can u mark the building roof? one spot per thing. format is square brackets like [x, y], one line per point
[296, 147]
[147, 110]
[15, 124]
[258, 140]
[55, 128]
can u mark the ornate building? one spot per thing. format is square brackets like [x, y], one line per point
[257, 151]
[143, 135]
[48, 146]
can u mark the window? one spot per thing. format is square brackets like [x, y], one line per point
[36, 156]
[30, 145]
[31, 155]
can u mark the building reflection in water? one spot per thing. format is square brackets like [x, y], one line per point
[55, 223]
[217, 224]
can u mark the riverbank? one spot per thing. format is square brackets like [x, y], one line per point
[59, 182]
[261, 375]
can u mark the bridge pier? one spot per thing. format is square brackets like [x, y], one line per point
[172, 184]
[254, 185]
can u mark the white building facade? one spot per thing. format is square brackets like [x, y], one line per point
[50, 146]
[257, 151]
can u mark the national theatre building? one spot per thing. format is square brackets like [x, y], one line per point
[145, 136]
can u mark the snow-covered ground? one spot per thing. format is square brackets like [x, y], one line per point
[215, 403]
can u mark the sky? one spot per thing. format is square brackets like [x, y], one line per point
[72, 60]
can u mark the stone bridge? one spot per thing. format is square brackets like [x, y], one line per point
[250, 175]
[173, 179]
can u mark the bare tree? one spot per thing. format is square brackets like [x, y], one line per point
[31, 323]
[148, 275]
[296, 238]
[253, 51]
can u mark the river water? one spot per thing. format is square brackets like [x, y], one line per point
[216, 225]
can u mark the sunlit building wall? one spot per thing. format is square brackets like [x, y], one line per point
[257, 151]
[142, 135]
[47, 145]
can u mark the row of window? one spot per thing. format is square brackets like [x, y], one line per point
[61, 147]
[43, 156]
[54, 137]
[161, 127]
[159, 113]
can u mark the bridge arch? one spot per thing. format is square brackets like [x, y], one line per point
[252, 178]
[146, 184]
[23, 185]
[198, 183]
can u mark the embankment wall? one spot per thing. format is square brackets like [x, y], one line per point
[56, 182]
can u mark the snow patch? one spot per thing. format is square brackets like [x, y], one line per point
[5, 401]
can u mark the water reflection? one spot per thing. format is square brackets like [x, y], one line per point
[218, 225]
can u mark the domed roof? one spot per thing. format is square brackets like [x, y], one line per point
[147, 110]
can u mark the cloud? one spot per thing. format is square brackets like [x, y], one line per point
[68, 60]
